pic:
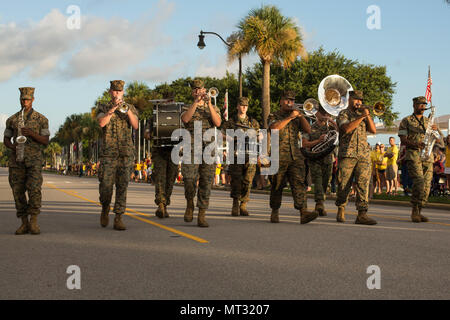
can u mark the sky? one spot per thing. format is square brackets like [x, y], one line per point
[155, 42]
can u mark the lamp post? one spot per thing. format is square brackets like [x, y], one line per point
[201, 44]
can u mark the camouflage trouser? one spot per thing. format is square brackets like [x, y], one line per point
[164, 175]
[321, 177]
[241, 180]
[421, 174]
[204, 173]
[26, 179]
[349, 168]
[114, 171]
[294, 172]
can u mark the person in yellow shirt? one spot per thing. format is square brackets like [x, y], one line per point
[374, 172]
[381, 168]
[392, 167]
[447, 162]
[144, 171]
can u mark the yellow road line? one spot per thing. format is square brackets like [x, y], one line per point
[132, 213]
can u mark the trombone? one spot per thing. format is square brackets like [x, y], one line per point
[309, 108]
[378, 109]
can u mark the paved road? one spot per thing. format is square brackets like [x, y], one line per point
[236, 258]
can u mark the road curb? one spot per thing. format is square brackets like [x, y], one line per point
[439, 206]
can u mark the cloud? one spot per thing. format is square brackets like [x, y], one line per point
[218, 69]
[3, 118]
[100, 47]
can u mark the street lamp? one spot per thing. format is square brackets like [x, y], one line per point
[201, 44]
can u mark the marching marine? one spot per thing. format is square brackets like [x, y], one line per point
[165, 171]
[354, 157]
[29, 130]
[117, 153]
[289, 122]
[241, 174]
[320, 168]
[208, 115]
[412, 132]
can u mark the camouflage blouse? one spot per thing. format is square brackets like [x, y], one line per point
[415, 131]
[203, 115]
[289, 136]
[353, 144]
[116, 135]
[33, 150]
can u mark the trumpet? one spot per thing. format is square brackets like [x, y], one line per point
[212, 93]
[378, 109]
[121, 106]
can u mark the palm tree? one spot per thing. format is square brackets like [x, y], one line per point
[91, 130]
[275, 38]
[53, 149]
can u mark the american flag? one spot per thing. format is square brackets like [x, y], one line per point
[225, 106]
[429, 83]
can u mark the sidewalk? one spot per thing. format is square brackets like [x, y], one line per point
[439, 206]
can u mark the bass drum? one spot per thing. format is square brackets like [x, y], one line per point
[166, 119]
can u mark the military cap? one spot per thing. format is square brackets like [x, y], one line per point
[197, 84]
[420, 100]
[356, 94]
[243, 101]
[117, 85]
[26, 93]
[288, 94]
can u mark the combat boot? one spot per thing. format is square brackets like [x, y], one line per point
[166, 214]
[340, 214]
[274, 218]
[422, 217]
[415, 214]
[160, 211]
[25, 227]
[189, 213]
[34, 227]
[306, 216]
[243, 209]
[104, 217]
[235, 208]
[201, 218]
[320, 208]
[118, 223]
[363, 218]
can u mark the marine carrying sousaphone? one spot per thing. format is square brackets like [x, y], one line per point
[333, 96]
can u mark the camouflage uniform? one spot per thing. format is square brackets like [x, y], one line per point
[26, 176]
[116, 157]
[241, 174]
[164, 174]
[320, 169]
[420, 171]
[203, 172]
[291, 163]
[353, 161]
